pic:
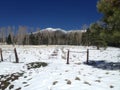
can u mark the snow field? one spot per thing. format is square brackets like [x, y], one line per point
[58, 75]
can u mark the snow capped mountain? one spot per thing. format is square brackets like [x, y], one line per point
[54, 29]
[58, 29]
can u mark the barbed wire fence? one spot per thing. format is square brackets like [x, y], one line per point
[10, 56]
[87, 52]
[68, 55]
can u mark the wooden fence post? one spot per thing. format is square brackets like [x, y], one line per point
[67, 57]
[87, 56]
[1, 54]
[16, 56]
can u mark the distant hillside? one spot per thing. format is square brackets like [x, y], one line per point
[56, 36]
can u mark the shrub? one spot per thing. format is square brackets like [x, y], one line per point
[36, 65]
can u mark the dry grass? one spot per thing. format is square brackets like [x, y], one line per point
[77, 78]
[111, 86]
[55, 82]
[68, 81]
[97, 81]
[87, 83]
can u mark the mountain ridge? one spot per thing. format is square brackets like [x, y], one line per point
[58, 29]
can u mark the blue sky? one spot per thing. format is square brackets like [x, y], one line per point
[65, 14]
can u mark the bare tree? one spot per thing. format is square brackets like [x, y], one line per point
[21, 34]
[2, 35]
[84, 27]
[38, 31]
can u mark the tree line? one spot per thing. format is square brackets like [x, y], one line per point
[40, 37]
[11, 35]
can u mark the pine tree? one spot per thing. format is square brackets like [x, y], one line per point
[9, 41]
[32, 39]
[111, 13]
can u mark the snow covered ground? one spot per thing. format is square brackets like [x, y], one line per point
[103, 72]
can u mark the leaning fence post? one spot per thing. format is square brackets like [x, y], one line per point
[1, 54]
[87, 56]
[67, 57]
[16, 56]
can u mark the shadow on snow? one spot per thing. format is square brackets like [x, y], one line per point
[102, 64]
